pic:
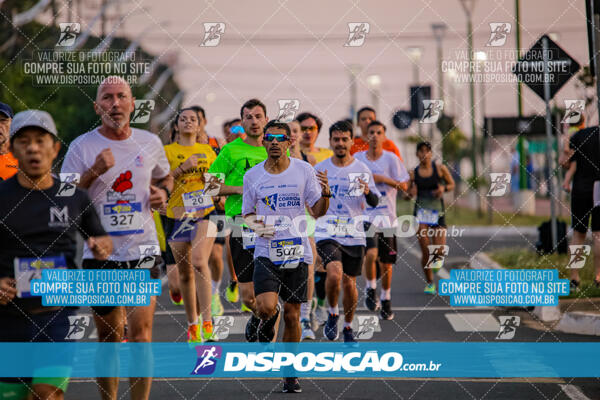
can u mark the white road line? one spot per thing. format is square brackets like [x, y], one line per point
[473, 322]
[573, 392]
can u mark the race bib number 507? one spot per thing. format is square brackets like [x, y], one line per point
[287, 253]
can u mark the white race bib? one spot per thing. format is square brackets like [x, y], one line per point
[196, 201]
[428, 217]
[340, 227]
[287, 253]
[27, 269]
[122, 218]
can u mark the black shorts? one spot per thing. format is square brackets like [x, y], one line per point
[243, 259]
[167, 224]
[220, 239]
[290, 284]
[387, 250]
[53, 326]
[351, 257]
[90, 263]
[582, 208]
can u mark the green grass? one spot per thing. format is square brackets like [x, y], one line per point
[465, 216]
[521, 258]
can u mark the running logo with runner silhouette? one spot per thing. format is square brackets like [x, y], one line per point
[68, 33]
[508, 326]
[500, 182]
[499, 33]
[77, 326]
[142, 111]
[358, 33]
[212, 33]
[578, 255]
[207, 359]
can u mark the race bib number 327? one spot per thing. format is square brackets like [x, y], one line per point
[122, 218]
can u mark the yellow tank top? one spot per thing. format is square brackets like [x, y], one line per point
[190, 184]
[321, 154]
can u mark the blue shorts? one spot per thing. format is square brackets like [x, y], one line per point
[184, 230]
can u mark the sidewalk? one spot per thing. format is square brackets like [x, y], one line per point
[542, 205]
[579, 316]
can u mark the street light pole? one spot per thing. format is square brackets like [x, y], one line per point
[481, 57]
[374, 83]
[414, 54]
[439, 31]
[468, 8]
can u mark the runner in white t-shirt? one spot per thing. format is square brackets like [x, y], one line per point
[276, 192]
[339, 234]
[126, 173]
[390, 175]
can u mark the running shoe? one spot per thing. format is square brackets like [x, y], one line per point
[330, 330]
[429, 288]
[386, 310]
[176, 299]
[371, 301]
[266, 329]
[193, 334]
[574, 286]
[208, 334]
[291, 385]
[245, 309]
[216, 306]
[307, 332]
[232, 293]
[321, 314]
[252, 328]
[349, 335]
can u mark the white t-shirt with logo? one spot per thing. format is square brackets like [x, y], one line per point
[346, 215]
[279, 200]
[384, 214]
[121, 195]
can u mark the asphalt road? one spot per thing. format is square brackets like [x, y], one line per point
[418, 318]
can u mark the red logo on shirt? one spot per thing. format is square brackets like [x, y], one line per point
[123, 182]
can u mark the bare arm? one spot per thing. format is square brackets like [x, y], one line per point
[101, 246]
[104, 161]
[448, 178]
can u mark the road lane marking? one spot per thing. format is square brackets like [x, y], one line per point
[573, 392]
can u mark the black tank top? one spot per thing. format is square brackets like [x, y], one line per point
[426, 186]
[304, 158]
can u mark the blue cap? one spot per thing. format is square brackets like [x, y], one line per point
[6, 110]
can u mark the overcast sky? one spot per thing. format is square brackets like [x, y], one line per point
[295, 50]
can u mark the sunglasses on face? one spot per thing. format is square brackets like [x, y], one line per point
[279, 137]
[237, 130]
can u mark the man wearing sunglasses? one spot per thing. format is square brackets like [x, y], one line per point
[276, 193]
[234, 161]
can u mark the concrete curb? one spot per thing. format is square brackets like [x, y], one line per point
[544, 313]
[496, 230]
[579, 322]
